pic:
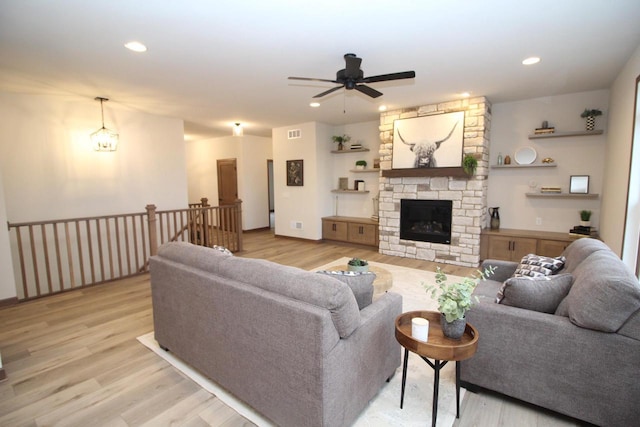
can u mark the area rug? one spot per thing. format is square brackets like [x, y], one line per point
[384, 410]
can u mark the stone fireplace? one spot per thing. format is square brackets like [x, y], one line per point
[466, 195]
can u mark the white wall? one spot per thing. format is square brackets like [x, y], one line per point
[251, 154]
[511, 124]
[618, 153]
[306, 204]
[253, 181]
[7, 278]
[51, 171]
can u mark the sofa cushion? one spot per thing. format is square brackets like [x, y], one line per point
[541, 294]
[604, 294]
[536, 265]
[360, 283]
[317, 289]
[580, 249]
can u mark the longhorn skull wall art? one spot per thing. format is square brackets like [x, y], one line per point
[428, 142]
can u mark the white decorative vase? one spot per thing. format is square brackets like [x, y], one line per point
[585, 223]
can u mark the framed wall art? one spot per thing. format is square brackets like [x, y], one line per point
[579, 184]
[428, 142]
[295, 175]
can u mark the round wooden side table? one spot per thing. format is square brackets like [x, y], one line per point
[439, 348]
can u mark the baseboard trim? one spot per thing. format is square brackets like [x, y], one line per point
[8, 302]
[301, 239]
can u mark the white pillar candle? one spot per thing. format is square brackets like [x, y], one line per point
[420, 329]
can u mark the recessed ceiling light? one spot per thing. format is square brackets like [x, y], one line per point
[382, 108]
[531, 60]
[314, 104]
[136, 46]
[465, 94]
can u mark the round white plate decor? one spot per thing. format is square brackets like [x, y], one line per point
[525, 155]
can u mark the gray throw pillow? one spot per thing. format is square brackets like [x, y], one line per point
[537, 266]
[360, 283]
[542, 294]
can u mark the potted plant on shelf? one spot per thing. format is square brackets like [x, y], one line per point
[361, 164]
[590, 115]
[358, 264]
[469, 164]
[585, 218]
[455, 299]
[341, 140]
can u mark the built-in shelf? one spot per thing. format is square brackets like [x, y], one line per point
[564, 195]
[357, 150]
[349, 191]
[365, 170]
[564, 134]
[533, 165]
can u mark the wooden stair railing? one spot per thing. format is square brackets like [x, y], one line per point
[60, 255]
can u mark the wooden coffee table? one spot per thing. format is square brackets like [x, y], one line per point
[383, 282]
[439, 348]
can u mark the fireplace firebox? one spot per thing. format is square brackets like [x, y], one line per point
[426, 220]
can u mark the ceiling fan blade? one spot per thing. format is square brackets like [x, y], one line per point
[368, 91]
[327, 92]
[392, 76]
[312, 80]
[353, 65]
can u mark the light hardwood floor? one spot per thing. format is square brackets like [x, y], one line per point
[73, 359]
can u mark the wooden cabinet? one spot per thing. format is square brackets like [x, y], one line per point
[552, 248]
[510, 248]
[362, 231]
[512, 244]
[334, 230]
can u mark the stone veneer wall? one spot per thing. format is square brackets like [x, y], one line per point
[469, 195]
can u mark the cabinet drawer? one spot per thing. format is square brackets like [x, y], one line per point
[334, 230]
[363, 233]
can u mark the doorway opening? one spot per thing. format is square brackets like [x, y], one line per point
[272, 208]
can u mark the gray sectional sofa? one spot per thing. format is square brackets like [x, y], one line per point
[578, 355]
[290, 343]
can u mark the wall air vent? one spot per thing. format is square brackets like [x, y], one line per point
[294, 134]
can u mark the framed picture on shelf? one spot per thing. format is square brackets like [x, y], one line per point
[295, 175]
[428, 142]
[343, 183]
[579, 184]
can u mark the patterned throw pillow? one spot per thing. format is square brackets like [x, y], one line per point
[222, 249]
[360, 282]
[538, 266]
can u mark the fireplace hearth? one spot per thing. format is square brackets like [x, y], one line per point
[426, 220]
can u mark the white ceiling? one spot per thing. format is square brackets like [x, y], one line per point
[215, 63]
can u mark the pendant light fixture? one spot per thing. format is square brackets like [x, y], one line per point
[104, 139]
[237, 130]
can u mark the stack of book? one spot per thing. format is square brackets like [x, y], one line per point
[356, 146]
[550, 190]
[542, 131]
[581, 230]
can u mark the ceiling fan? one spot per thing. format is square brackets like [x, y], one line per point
[352, 77]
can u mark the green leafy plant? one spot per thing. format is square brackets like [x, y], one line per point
[455, 299]
[361, 163]
[469, 164]
[341, 139]
[591, 113]
[358, 262]
[585, 215]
